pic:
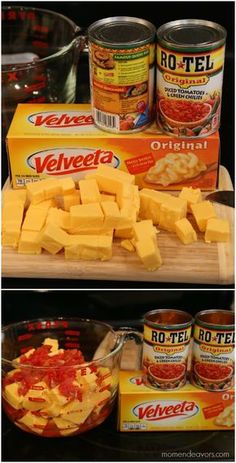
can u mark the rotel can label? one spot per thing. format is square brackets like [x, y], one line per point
[122, 73]
[190, 63]
[213, 350]
[167, 335]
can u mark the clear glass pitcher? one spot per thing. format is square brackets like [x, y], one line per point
[40, 51]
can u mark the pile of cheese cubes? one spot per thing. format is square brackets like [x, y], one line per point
[52, 214]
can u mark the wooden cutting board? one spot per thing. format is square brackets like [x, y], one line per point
[198, 263]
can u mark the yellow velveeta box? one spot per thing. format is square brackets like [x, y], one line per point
[187, 409]
[58, 140]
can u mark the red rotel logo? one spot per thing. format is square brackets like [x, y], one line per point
[66, 161]
[172, 409]
[59, 119]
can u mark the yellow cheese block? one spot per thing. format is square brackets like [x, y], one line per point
[124, 232]
[107, 197]
[42, 190]
[171, 210]
[36, 397]
[86, 216]
[29, 243]
[12, 213]
[35, 423]
[202, 212]
[10, 235]
[51, 410]
[150, 204]
[91, 231]
[130, 192]
[145, 229]
[53, 238]
[67, 186]
[58, 217]
[89, 247]
[11, 196]
[12, 396]
[191, 195]
[77, 417]
[110, 180]
[128, 214]
[35, 218]
[217, 230]
[56, 397]
[53, 343]
[47, 203]
[149, 254]
[128, 245]
[71, 200]
[89, 191]
[112, 215]
[64, 425]
[185, 231]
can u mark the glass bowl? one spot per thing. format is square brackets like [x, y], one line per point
[60, 376]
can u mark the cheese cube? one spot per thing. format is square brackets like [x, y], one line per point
[47, 203]
[51, 410]
[130, 192]
[202, 212]
[35, 218]
[12, 213]
[64, 425]
[185, 231]
[10, 236]
[150, 204]
[144, 229]
[12, 396]
[51, 342]
[125, 232]
[86, 216]
[36, 397]
[68, 432]
[110, 180]
[35, 423]
[172, 210]
[128, 245]
[67, 186]
[53, 239]
[217, 230]
[11, 196]
[149, 254]
[58, 217]
[112, 216]
[78, 417]
[56, 397]
[89, 191]
[42, 190]
[29, 243]
[89, 247]
[91, 231]
[71, 200]
[107, 197]
[191, 195]
[128, 214]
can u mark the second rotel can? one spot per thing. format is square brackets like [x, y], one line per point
[122, 73]
[213, 350]
[167, 335]
[190, 63]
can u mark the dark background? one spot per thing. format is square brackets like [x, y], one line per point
[84, 14]
[104, 443]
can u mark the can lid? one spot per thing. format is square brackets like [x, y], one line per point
[122, 31]
[192, 34]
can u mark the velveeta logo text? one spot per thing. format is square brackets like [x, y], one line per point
[59, 119]
[168, 410]
[64, 161]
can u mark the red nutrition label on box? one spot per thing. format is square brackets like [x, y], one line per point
[140, 163]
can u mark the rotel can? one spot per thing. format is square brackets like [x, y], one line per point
[190, 63]
[122, 73]
[166, 341]
[213, 350]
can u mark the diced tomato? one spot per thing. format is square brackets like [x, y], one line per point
[184, 111]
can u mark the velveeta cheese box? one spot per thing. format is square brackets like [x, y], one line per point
[58, 140]
[142, 408]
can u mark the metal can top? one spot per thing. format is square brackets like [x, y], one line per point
[191, 35]
[122, 32]
[216, 318]
[168, 318]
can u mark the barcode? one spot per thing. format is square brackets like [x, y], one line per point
[106, 119]
[134, 426]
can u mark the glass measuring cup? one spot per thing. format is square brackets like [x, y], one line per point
[40, 51]
[55, 394]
